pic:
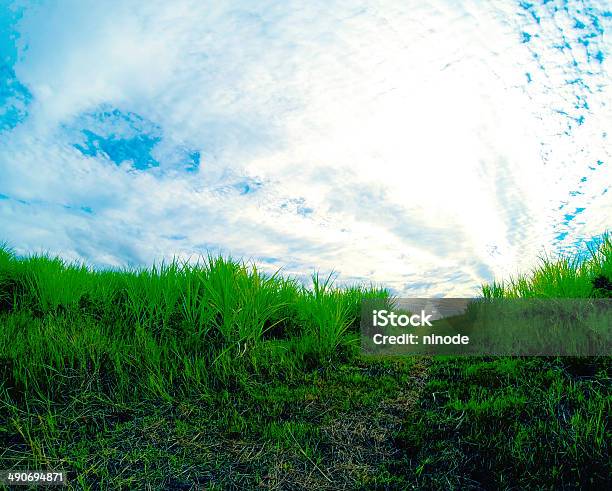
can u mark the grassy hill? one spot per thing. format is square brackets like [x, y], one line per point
[216, 376]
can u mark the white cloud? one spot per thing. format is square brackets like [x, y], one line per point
[394, 141]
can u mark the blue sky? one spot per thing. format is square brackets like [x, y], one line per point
[426, 147]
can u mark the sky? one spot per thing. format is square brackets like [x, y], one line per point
[424, 146]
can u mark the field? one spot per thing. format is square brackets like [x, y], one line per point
[217, 376]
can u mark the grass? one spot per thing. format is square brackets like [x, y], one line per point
[512, 423]
[217, 376]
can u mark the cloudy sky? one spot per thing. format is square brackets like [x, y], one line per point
[427, 146]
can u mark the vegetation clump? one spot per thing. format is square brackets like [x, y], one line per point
[215, 375]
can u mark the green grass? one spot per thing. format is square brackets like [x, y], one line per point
[562, 277]
[518, 423]
[511, 423]
[215, 375]
[175, 329]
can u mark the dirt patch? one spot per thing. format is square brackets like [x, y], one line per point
[355, 444]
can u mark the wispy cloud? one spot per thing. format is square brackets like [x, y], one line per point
[425, 147]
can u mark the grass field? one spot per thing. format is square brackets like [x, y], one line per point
[216, 376]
